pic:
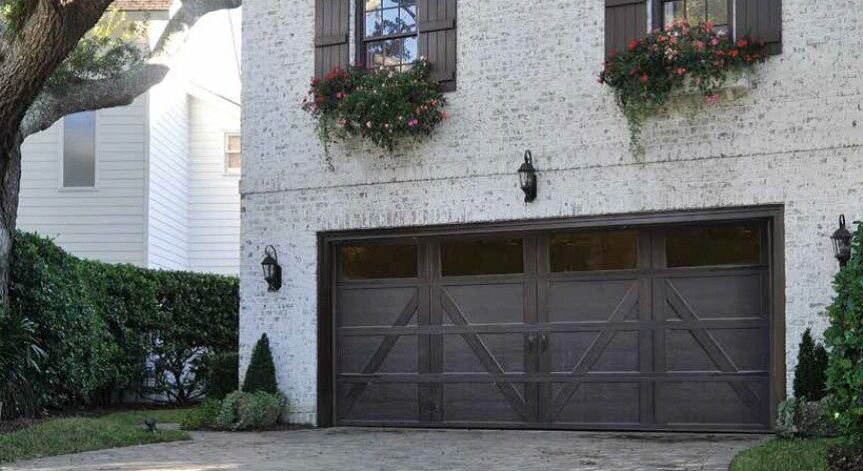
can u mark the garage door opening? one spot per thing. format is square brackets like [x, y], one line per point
[627, 327]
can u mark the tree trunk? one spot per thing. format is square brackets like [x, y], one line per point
[10, 181]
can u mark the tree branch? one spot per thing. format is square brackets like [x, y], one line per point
[123, 89]
[91, 95]
[178, 26]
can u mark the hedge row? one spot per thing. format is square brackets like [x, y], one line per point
[102, 326]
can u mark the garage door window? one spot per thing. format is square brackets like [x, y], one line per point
[482, 257]
[718, 245]
[379, 261]
[589, 251]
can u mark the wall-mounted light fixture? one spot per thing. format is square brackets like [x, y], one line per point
[272, 269]
[842, 243]
[527, 177]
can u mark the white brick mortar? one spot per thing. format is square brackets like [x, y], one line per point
[527, 79]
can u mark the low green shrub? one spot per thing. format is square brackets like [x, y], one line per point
[261, 374]
[20, 355]
[809, 374]
[798, 418]
[224, 375]
[99, 324]
[242, 410]
[844, 338]
[202, 417]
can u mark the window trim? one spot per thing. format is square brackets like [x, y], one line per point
[360, 31]
[228, 170]
[61, 183]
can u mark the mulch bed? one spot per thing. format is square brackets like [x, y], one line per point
[843, 458]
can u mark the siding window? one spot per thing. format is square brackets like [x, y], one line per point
[79, 150]
[390, 37]
[389, 34]
[626, 20]
[233, 153]
[696, 11]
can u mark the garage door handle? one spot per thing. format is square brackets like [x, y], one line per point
[529, 342]
[543, 342]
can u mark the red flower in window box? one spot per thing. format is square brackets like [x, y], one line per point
[645, 76]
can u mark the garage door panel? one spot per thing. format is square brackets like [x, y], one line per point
[593, 300]
[720, 297]
[379, 402]
[566, 349]
[595, 403]
[483, 304]
[732, 403]
[507, 350]
[376, 307]
[620, 355]
[748, 349]
[374, 354]
[483, 402]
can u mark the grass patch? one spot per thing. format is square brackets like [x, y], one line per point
[77, 434]
[785, 455]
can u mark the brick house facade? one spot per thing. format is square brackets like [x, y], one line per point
[526, 79]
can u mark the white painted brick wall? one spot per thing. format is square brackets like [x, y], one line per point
[527, 79]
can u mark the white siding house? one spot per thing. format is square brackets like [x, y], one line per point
[161, 195]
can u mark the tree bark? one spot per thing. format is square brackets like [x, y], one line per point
[10, 173]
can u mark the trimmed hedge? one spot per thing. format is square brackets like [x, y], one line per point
[100, 324]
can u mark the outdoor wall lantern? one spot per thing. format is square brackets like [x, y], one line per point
[842, 242]
[527, 177]
[272, 269]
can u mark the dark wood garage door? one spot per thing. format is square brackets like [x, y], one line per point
[651, 328]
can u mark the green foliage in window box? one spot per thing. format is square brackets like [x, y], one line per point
[844, 339]
[809, 374]
[261, 374]
[381, 105]
[99, 324]
[645, 76]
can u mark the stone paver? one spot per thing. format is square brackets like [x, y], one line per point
[350, 449]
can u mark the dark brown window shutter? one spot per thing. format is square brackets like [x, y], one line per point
[761, 20]
[332, 25]
[625, 20]
[437, 41]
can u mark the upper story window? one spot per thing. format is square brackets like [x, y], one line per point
[388, 33]
[233, 152]
[626, 20]
[390, 36]
[696, 11]
[79, 150]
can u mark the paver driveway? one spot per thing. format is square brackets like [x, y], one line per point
[348, 449]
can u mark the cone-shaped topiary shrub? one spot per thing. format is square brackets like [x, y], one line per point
[845, 340]
[809, 374]
[261, 375]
